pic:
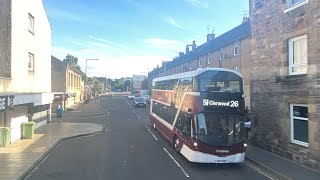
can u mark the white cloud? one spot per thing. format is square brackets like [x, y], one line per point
[198, 3]
[112, 66]
[172, 22]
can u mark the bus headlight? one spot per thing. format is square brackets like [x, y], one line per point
[245, 144]
[195, 144]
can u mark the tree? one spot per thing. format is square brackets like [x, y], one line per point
[72, 61]
[98, 86]
[127, 85]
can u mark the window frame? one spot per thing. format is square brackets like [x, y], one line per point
[292, 117]
[291, 6]
[235, 48]
[220, 54]
[31, 19]
[208, 58]
[291, 54]
[32, 65]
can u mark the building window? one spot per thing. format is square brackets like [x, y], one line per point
[235, 48]
[220, 55]
[31, 62]
[298, 55]
[299, 124]
[235, 68]
[292, 4]
[199, 62]
[209, 58]
[31, 23]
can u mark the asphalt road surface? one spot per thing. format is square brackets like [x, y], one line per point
[128, 149]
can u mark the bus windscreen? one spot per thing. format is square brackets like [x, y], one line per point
[218, 130]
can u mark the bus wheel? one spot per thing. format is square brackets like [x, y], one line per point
[176, 143]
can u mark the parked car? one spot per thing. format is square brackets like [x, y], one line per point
[147, 98]
[131, 96]
[140, 102]
[137, 95]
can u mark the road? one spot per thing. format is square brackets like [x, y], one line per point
[128, 149]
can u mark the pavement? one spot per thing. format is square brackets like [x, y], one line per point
[279, 167]
[18, 158]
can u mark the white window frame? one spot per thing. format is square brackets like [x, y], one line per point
[292, 126]
[235, 68]
[291, 6]
[209, 58]
[31, 56]
[220, 55]
[199, 62]
[291, 52]
[235, 47]
[31, 23]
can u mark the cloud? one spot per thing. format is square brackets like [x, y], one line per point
[198, 3]
[112, 66]
[172, 22]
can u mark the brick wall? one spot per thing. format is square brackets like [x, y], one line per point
[272, 89]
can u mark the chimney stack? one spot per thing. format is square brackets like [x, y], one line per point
[210, 37]
[194, 45]
[245, 19]
[187, 49]
[181, 54]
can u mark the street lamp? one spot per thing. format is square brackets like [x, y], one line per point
[86, 83]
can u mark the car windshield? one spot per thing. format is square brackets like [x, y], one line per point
[140, 99]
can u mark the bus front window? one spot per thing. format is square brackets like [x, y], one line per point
[215, 130]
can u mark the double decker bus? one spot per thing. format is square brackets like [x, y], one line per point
[202, 113]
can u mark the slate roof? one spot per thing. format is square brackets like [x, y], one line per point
[235, 34]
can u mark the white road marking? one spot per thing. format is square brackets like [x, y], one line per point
[259, 170]
[152, 134]
[184, 172]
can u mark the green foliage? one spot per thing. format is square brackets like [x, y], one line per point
[98, 86]
[126, 85]
[72, 61]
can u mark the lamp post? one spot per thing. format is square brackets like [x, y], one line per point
[86, 83]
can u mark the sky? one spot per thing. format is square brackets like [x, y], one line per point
[134, 36]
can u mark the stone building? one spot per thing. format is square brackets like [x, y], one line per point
[285, 78]
[25, 78]
[66, 84]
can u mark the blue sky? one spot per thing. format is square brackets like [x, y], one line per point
[133, 36]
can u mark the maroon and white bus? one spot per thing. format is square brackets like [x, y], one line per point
[202, 114]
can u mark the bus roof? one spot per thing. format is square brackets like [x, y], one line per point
[194, 73]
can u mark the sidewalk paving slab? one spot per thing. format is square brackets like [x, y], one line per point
[18, 158]
[280, 165]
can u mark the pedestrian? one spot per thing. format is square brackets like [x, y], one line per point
[59, 113]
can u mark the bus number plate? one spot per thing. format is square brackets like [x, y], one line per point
[221, 161]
